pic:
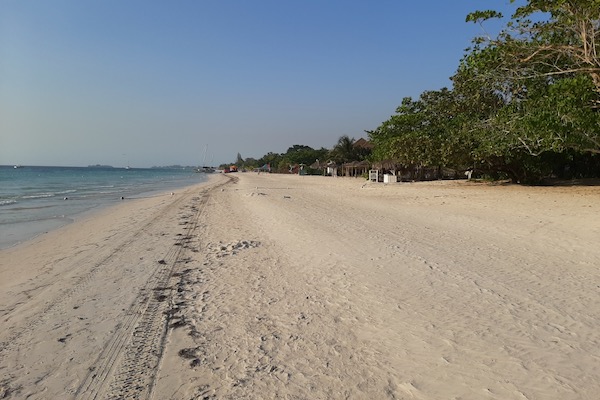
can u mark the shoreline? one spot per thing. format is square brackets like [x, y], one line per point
[21, 232]
[311, 287]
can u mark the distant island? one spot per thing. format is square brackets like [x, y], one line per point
[100, 166]
[172, 167]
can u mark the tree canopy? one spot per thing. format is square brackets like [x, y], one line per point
[524, 104]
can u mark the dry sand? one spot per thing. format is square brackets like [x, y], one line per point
[272, 286]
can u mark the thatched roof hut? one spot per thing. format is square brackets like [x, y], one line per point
[356, 168]
[387, 165]
[363, 144]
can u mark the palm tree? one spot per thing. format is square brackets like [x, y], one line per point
[344, 150]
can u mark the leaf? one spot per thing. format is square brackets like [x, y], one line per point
[479, 16]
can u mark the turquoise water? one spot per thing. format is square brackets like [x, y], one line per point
[34, 200]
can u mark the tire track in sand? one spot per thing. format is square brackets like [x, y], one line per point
[128, 364]
[138, 338]
[18, 337]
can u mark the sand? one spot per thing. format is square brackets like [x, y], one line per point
[276, 286]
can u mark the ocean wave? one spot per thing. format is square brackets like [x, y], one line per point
[7, 202]
[67, 191]
[32, 208]
[39, 196]
[33, 220]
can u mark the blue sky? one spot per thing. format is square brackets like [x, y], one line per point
[154, 82]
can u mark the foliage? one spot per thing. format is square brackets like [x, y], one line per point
[295, 155]
[345, 150]
[271, 159]
[424, 133]
[521, 102]
[306, 155]
[562, 41]
[239, 161]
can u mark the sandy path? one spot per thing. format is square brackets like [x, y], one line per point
[313, 288]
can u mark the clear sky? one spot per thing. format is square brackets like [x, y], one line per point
[145, 82]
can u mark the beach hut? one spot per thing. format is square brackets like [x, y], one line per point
[332, 168]
[356, 168]
[319, 166]
[387, 165]
[363, 144]
[384, 167]
[414, 172]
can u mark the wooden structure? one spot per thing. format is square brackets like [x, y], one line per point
[356, 168]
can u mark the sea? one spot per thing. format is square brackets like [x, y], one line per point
[34, 200]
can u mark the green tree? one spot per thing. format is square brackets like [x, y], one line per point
[562, 41]
[299, 154]
[272, 159]
[250, 163]
[549, 73]
[239, 161]
[425, 133]
[344, 150]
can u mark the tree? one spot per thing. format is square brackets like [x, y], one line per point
[548, 72]
[425, 133]
[300, 154]
[344, 150]
[239, 161]
[250, 163]
[563, 41]
[272, 159]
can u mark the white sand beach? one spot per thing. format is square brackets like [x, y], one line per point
[298, 287]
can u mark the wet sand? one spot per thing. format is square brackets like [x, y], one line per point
[276, 286]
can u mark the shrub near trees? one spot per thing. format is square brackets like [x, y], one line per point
[525, 105]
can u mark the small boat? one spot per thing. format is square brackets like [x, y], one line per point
[18, 166]
[204, 168]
